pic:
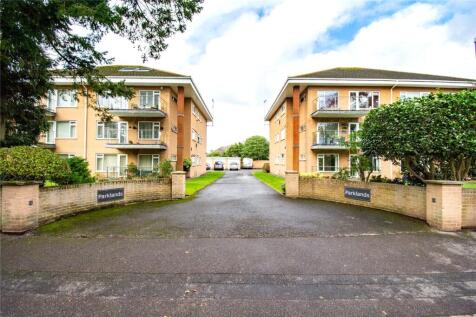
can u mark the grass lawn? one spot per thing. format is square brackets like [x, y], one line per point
[193, 185]
[271, 180]
[470, 184]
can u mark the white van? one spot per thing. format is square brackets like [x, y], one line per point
[247, 163]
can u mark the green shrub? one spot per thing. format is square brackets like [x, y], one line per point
[266, 167]
[166, 168]
[132, 170]
[342, 174]
[187, 163]
[26, 163]
[80, 172]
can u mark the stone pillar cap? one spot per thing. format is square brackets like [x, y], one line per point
[443, 182]
[179, 173]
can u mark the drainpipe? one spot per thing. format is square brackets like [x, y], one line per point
[86, 125]
[391, 91]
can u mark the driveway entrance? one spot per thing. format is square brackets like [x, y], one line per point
[239, 248]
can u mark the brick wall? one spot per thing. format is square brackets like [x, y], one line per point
[56, 202]
[469, 208]
[406, 200]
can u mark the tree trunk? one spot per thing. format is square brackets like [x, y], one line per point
[3, 128]
[412, 172]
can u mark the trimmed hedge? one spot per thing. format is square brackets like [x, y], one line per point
[26, 163]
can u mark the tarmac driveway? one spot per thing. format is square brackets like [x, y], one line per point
[239, 248]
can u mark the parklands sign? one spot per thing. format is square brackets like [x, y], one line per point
[110, 194]
[357, 193]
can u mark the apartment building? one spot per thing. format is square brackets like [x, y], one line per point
[315, 113]
[166, 119]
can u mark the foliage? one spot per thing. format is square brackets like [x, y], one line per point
[362, 163]
[25, 163]
[266, 167]
[311, 175]
[193, 185]
[342, 174]
[187, 163]
[256, 147]
[273, 181]
[80, 172]
[166, 168]
[215, 153]
[234, 150]
[38, 36]
[434, 136]
[132, 170]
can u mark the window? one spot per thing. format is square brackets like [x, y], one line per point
[413, 94]
[65, 129]
[65, 156]
[195, 111]
[302, 128]
[283, 134]
[112, 102]
[148, 162]
[328, 133]
[113, 164]
[149, 99]
[61, 98]
[364, 100]
[353, 163]
[353, 128]
[327, 162]
[375, 164]
[149, 130]
[173, 158]
[327, 100]
[51, 134]
[195, 160]
[194, 135]
[107, 130]
[302, 157]
[276, 138]
[282, 109]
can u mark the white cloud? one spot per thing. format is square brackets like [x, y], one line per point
[240, 57]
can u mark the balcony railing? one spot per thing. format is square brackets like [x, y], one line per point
[142, 111]
[328, 141]
[138, 143]
[339, 113]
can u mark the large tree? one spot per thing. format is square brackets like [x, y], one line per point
[256, 147]
[433, 136]
[40, 35]
[234, 150]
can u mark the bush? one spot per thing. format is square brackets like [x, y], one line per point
[166, 168]
[80, 172]
[132, 170]
[342, 174]
[187, 163]
[266, 167]
[312, 175]
[26, 163]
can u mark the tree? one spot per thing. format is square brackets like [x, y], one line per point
[433, 136]
[256, 147]
[234, 150]
[362, 163]
[215, 153]
[38, 36]
[80, 172]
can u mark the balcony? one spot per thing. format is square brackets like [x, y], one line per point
[50, 112]
[339, 113]
[137, 144]
[46, 145]
[139, 112]
[327, 142]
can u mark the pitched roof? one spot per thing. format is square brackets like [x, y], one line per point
[369, 73]
[127, 70]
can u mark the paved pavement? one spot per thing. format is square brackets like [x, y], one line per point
[239, 249]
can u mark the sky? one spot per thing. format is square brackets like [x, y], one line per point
[240, 52]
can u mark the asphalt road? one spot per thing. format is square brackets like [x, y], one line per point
[240, 249]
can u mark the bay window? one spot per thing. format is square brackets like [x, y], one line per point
[109, 102]
[61, 98]
[327, 100]
[149, 99]
[327, 162]
[362, 100]
[328, 133]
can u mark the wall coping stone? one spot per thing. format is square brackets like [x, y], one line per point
[179, 173]
[291, 172]
[19, 183]
[443, 182]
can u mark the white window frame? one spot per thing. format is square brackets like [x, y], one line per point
[420, 94]
[123, 105]
[55, 93]
[357, 103]
[155, 124]
[71, 123]
[356, 174]
[324, 95]
[282, 134]
[323, 159]
[376, 166]
[317, 128]
[53, 126]
[68, 154]
[194, 135]
[103, 124]
[118, 161]
[154, 93]
[195, 111]
[154, 157]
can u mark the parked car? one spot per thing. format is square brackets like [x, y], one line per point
[234, 166]
[247, 163]
[208, 166]
[218, 166]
